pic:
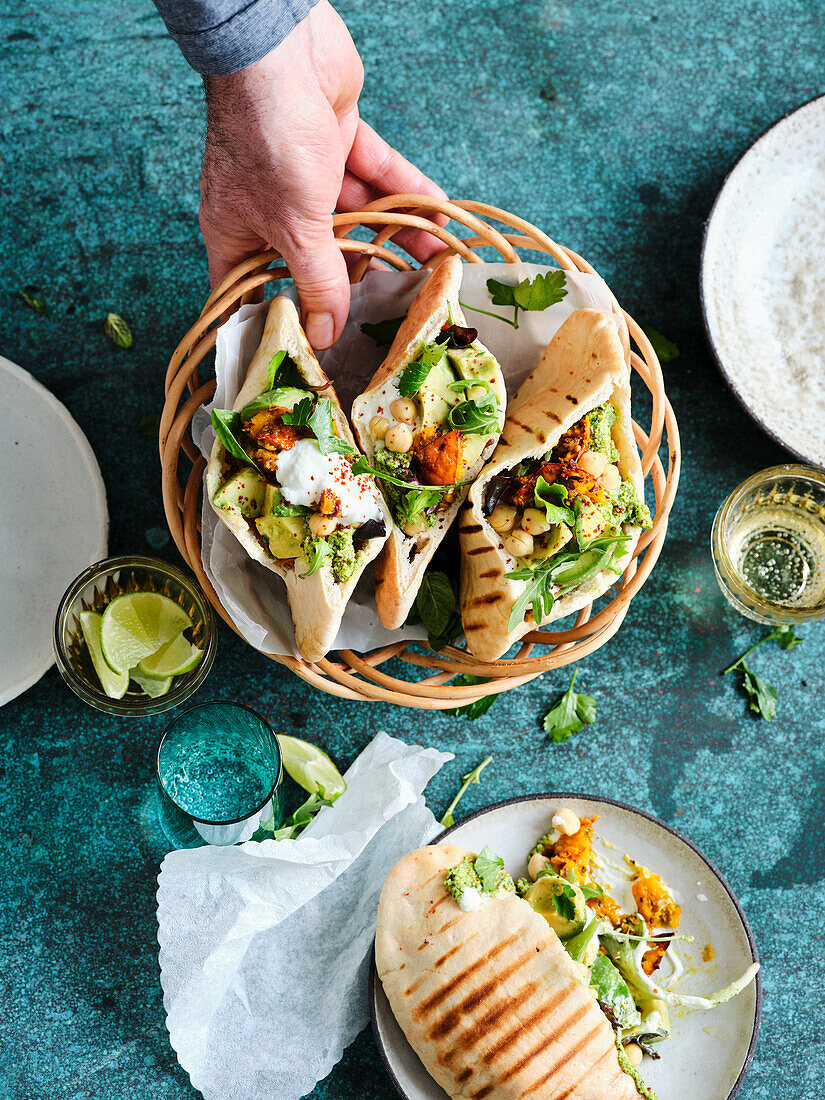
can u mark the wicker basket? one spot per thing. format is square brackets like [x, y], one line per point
[359, 677]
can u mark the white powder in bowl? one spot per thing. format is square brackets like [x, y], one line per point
[763, 281]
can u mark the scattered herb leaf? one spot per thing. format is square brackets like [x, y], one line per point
[666, 350]
[473, 777]
[570, 713]
[227, 425]
[762, 696]
[535, 294]
[37, 304]
[117, 330]
[415, 374]
[479, 707]
[302, 816]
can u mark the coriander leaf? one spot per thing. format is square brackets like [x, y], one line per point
[549, 499]
[117, 330]
[762, 695]
[415, 374]
[37, 304]
[473, 777]
[320, 552]
[383, 332]
[300, 414]
[785, 636]
[502, 294]
[227, 425]
[322, 425]
[150, 426]
[564, 902]
[488, 866]
[542, 292]
[666, 350]
[570, 713]
[301, 817]
[435, 602]
[479, 707]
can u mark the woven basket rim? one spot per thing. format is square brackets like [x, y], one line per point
[358, 676]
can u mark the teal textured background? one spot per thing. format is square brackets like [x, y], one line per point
[609, 124]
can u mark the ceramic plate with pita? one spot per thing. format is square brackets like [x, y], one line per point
[708, 1053]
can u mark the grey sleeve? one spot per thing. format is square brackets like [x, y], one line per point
[222, 36]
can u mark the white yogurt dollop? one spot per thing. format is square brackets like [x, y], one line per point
[303, 473]
[470, 899]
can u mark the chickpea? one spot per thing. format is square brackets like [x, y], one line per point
[378, 427]
[537, 863]
[503, 518]
[518, 544]
[565, 821]
[399, 438]
[593, 462]
[321, 526]
[534, 521]
[611, 478]
[634, 1054]
[403, 409]
[414, 528]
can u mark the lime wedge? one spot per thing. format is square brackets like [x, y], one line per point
[152, 685]
[113, 683]
[172, 659]
[310, 767]
[136, 625]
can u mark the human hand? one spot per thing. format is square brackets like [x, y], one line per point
[285, 147]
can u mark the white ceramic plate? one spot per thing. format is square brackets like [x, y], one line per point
[53, 522]
[708, 1053]
[763, 283]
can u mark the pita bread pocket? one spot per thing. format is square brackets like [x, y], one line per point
[280, 477]
[429, 419]
[488, 998]
[556, 514]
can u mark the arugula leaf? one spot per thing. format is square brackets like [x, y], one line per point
[415, 374]
[435, 603]
[117, 330]
[479, 707]
[478, 415]
[550, 499]
[227, 425]
[150, 426]
[473, 777]
[362, 466]
[537, 595]
[37, 304]
[302, 816]
[666, 350]
[416, 502]
[570, 713]
[488, 866]
[762, 695]
[320, 552]
[542, 292]
[383, 332]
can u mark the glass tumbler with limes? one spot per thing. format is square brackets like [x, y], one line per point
[134, 635]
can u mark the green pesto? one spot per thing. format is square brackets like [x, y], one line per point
[343, 558]
[462, 877]
[390, 462]
[643, 1089]
[602, 419]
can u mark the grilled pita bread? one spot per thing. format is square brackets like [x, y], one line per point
[584, 366]
[489, 1000]
[317, 602]
[401, 567]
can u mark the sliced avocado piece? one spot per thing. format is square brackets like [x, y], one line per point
[473, 362]
[286, 397]
[473, 446]
[560, 902]
[283, 533]
[245, 491]
[590, 521]
[547, 545]
[435, 394]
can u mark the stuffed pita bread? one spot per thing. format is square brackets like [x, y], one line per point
[429, 418]
[556, 514]
[488, 997]
[280, 477]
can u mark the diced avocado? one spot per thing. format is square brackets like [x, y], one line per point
[435, 395]
[283, 533]
[272, 498]
[244, 491]
[545, 546]
[473, 362]
[287, 397]
[560, 902]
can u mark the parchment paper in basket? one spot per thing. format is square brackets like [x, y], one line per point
[253, 595]
[265, 948]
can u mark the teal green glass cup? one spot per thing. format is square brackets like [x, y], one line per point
[219, 775]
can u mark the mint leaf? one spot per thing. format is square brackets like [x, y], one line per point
[762, 695]
[479, 707]
[227, 425]
[383, 332]
[435, 604]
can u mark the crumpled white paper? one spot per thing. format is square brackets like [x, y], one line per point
[265, 947]
[253, 595]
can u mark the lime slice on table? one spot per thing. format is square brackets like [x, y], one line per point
[154, 686]
[136, 625]
[113, 683]
[172, 659]
[310, 767]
